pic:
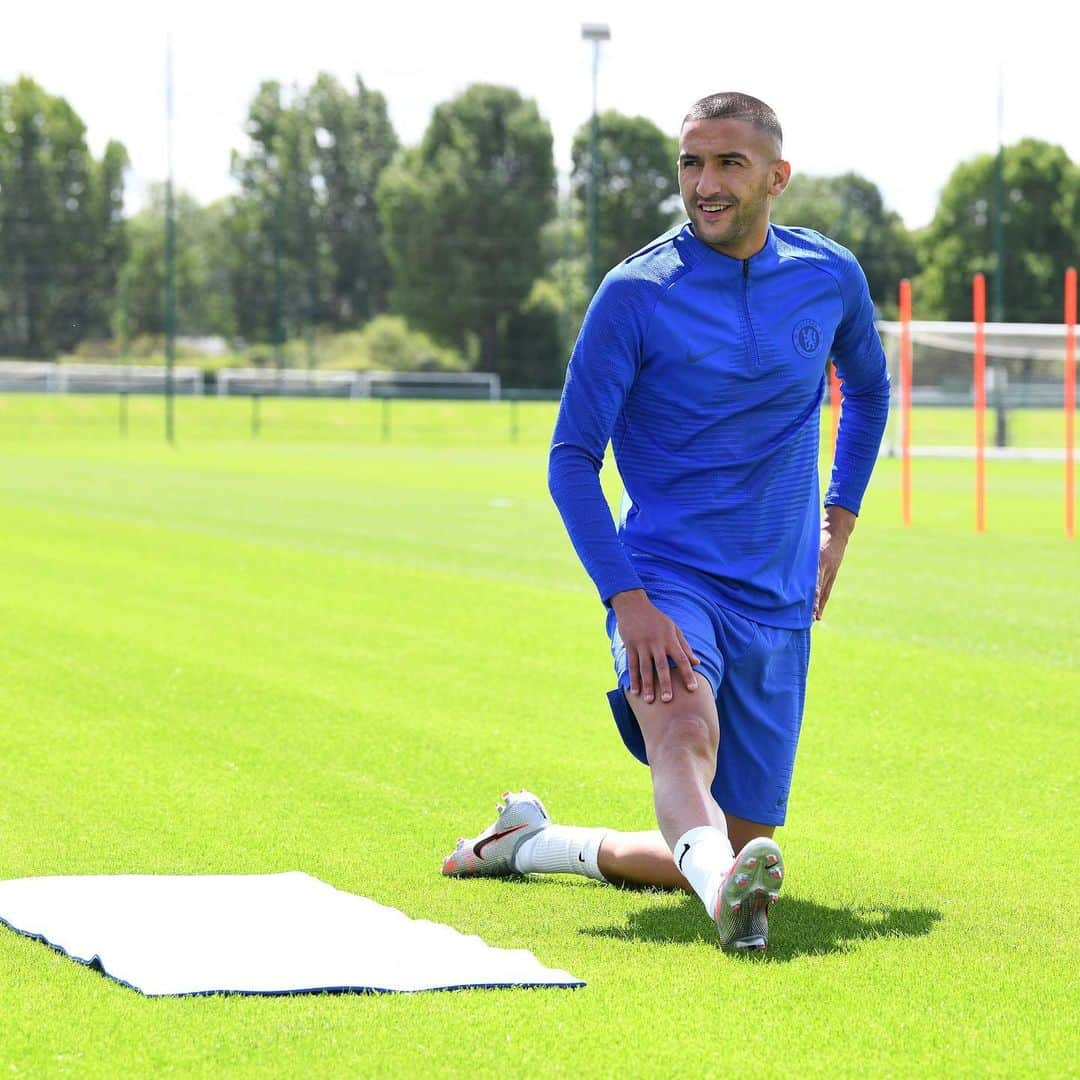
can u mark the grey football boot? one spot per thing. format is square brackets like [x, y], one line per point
[491, 854]
[751, 887]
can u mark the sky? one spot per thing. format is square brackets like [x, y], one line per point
[899, 92]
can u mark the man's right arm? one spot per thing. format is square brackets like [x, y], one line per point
[602, 369]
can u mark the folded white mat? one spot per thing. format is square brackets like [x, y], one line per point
[254, 934]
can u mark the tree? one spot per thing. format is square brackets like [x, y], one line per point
[462, 215]
[108, 226]
[61, 229]
[354, 144]
[637, 186]
[1041, 225]
[203, 302]
[307, 210]
[277, 268]
[534, 338]
[850, 210]
[543, 335]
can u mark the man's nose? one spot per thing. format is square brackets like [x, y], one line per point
[710, 180]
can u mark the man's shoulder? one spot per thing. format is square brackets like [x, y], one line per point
[655, 266]
[809, 246]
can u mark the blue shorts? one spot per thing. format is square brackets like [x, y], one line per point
[758, 676]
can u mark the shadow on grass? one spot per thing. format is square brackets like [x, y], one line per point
[798, 928]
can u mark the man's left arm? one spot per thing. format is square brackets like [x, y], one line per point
[864, 381]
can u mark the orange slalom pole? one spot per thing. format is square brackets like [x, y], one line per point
[834, 403]
[978, 289]
[1070, 401]
[905, 399]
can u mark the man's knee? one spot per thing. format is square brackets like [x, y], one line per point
[683, 732]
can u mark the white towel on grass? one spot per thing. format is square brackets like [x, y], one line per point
[255, 934]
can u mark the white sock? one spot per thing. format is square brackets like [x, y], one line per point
[561, 849]
[704, 856]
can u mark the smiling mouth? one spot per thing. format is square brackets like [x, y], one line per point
[714, 209]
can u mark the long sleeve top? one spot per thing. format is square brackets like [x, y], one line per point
[706, 373]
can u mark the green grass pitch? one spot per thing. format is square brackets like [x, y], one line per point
[331, 647]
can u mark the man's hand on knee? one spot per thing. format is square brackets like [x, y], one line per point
[651, 638]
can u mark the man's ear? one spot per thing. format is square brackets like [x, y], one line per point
[781, 177]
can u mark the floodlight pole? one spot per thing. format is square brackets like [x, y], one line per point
[594, 32]
[1001, 437]
[170, 254]
[998, 202]
[279, 272]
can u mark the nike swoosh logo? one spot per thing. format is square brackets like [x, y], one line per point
[479, 846]
[694, 358]
[581, 856]
[685, 849]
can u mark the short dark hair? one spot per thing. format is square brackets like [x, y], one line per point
[731, 105]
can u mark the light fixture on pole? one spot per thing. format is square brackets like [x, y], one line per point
[594, 32]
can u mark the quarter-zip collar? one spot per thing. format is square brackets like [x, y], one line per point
[717, 260]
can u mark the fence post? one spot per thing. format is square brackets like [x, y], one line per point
[978, 303]
[905, 400]
[1070, 400]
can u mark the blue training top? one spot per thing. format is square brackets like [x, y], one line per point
[707, 375]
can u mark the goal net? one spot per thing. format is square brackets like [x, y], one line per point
[1024, 389]
[48, 378]
[478, 385]
[304, 382]
[17, 376]
[289, 382]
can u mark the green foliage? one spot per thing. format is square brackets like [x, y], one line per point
[387, 343]
[566, 279]
[106, 210]
[534, 338]
[850, 210]
[637, 185]
[307, 210]
[354, 142]
[203, 303]
[276, 211]
[61, 227]
[461, 233]
[463, 213]
[1041, 225]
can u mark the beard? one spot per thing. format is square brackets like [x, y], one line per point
[743, 219]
